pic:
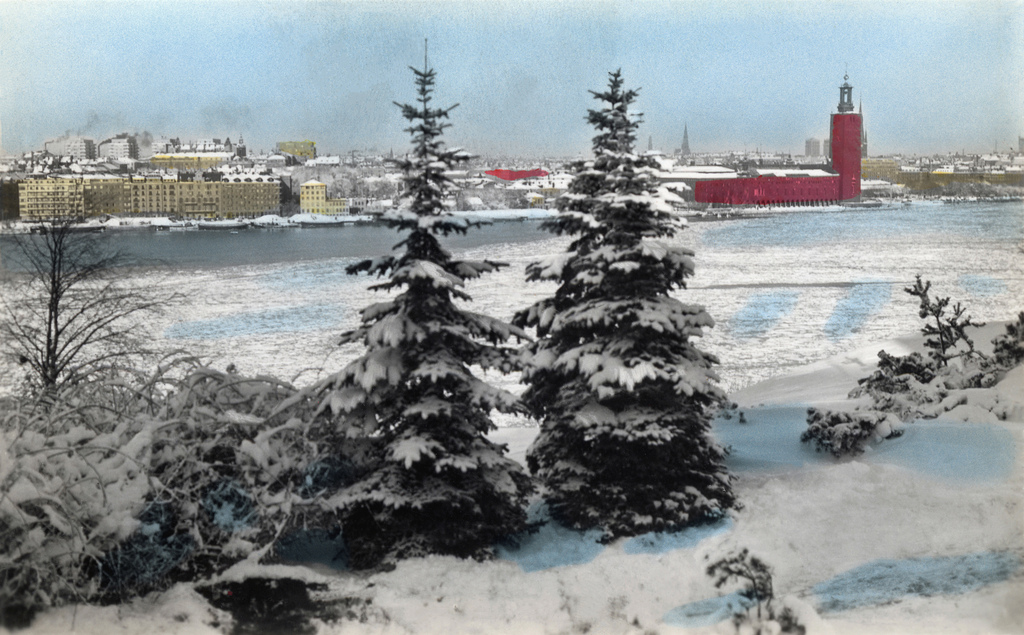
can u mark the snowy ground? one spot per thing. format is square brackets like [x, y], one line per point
[923, 534]
[887, 543]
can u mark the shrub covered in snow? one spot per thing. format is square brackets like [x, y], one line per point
[945, 334]
[1008, 348]
[912, 386]
[436, 484]
[621, 390]
[764, 615]
[73, 482]
[120, 485]
[231, 473]
[844, 433]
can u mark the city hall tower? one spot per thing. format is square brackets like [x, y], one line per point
[846, 137]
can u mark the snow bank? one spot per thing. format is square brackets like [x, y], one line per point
[921, 534]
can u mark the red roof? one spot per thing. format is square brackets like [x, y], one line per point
[513, 175]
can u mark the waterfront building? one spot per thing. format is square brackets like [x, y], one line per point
[812, 147]
[50, 198]
[245, 194]
[235, 195]
[313, 200]
[786, 186]
[883, 169]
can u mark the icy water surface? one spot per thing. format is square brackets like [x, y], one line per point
[784, 290]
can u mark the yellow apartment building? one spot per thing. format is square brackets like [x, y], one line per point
[41, 199]
[51, 198]
[884, 169]
[190, 161]
[242, 195]
[313, 200]
[305, 148]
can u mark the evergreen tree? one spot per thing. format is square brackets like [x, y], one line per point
[622, 392]
[436, 484]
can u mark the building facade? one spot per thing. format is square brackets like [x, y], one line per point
[249, 195]
[51, 198]
[305, 148]
[781, 187]
[75, 147]
[123, 146]
[190, 160]
[313, 200]
[883, 169]
[812, 148]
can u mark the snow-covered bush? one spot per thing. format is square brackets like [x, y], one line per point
[435, 484]
[764, 614]
[73, 482]
[912, 386]
[1008, 348]
[947, 337]
[233, 473]
[844, 433]
[895, 373]
[622, 392]
[125, 483]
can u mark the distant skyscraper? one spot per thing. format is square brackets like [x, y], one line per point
[1020, 145]
[650, 142]
[685, 150]
[75, 147]
[812, 148]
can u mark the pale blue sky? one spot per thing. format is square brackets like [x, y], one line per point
[933, 76]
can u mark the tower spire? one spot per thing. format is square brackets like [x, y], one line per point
[846, 95]
[685, 150]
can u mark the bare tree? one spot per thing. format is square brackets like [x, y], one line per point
[71, 309]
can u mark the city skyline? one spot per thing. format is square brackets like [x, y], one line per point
[932, 76]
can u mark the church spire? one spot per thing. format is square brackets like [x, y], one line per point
[685, 150]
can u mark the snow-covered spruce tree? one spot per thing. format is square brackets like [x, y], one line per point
[437, 484]
[622, 392]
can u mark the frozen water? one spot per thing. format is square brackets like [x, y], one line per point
[981, 285]
[861, 302]
[812, 262]
[312, 317]
[884, 581]
[761, 313]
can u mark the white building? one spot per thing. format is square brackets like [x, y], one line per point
[75, 147]
[123, 146]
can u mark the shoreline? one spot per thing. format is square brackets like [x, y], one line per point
[297, 221]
